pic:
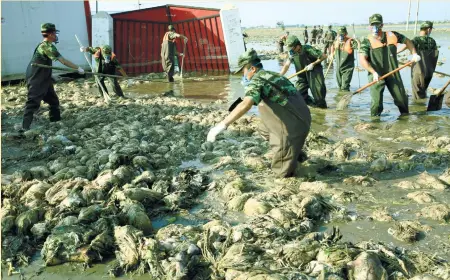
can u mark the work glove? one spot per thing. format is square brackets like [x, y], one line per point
[181, 54]
[185, 39]
[309, 67]
[415, 58]
[82, 49]
[215, 131]
[80, 70]
[375, 77]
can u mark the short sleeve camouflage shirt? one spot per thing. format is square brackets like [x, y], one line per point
[267, 84]
[49, 50]
[424, 43]
[365, 44]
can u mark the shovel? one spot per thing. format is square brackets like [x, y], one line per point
[301, 71]
[345, 101]
[182, 60]
[331, 62]
[105, 93]
[435, 102]
[90, 73]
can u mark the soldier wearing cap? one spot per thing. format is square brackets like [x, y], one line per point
[313, 35]
[422, 72]
[329, 38]
[107, 63]
[378, 55]
[305, 34]
[285, 118]
[319, 34]
[281, 42]
[303, 57]
[39, 80]
[169, 51]
[345, 58]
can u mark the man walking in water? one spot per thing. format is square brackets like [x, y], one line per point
[168, 51]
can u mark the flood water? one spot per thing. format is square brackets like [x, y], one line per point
[337, 126]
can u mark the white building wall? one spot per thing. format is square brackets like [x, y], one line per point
[21, 32]
[231, 24]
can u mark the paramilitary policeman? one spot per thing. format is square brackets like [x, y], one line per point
[422, 72]
[303, 57]
[39, 80]
[285, 117]
[378, 55]
[107, 63]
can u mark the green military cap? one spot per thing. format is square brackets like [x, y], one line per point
[329, 26]
[426, 24]
[376, 18]
[342, 30]
[171, 28]
[107, 49]
[249, 56]
[48, 27]
[292, 41]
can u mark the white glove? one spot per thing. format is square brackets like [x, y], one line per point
[80, 70]
[82, 49]
[213, 132]
[415, 58]
[375, 77]
[181, 54]
[309, 67]
[185, 39]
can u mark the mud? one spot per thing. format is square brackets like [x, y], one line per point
[130, 188]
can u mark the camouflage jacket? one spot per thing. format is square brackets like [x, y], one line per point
[314, 33]
[366, 47]
[424, 43]
[46, 49]
[270, 85]
[100, 59]
[311, 52]
[330, 35]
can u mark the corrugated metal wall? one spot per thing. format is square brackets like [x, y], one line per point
[138, 36]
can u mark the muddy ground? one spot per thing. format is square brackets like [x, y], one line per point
[130, 188]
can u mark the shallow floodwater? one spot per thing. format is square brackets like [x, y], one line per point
[337, 126]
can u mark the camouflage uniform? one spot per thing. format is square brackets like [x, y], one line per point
[319, 35]
[313, 35]
[169, 52]
[39, 81]
[329, 38]
[305, 35]
[281, 43]
[383, 59]
[345, 60]
[422, 71]
[285, 118]
[313, 79]
[106, 68]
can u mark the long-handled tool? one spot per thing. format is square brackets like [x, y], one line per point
[106, 96]
[302, 71]
[357, 64]
[345, 101]
[182, 59]
[89, 73]
[331, 62]
[435, 102]
[437, 72]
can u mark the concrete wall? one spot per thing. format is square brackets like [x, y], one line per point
[21, 32]
[231, 24]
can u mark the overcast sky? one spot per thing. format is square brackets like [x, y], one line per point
[254, 13]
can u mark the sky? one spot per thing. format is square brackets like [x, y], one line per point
[267, 13]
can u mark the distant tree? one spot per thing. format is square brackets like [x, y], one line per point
[281, 25]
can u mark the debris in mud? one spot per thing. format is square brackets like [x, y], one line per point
[421, 197]
[406, 231]
[364, 181]
[382, 215]
[438, 212]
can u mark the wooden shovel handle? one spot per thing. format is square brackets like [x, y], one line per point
[383, 77]
[302, 71]
[443, 88]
